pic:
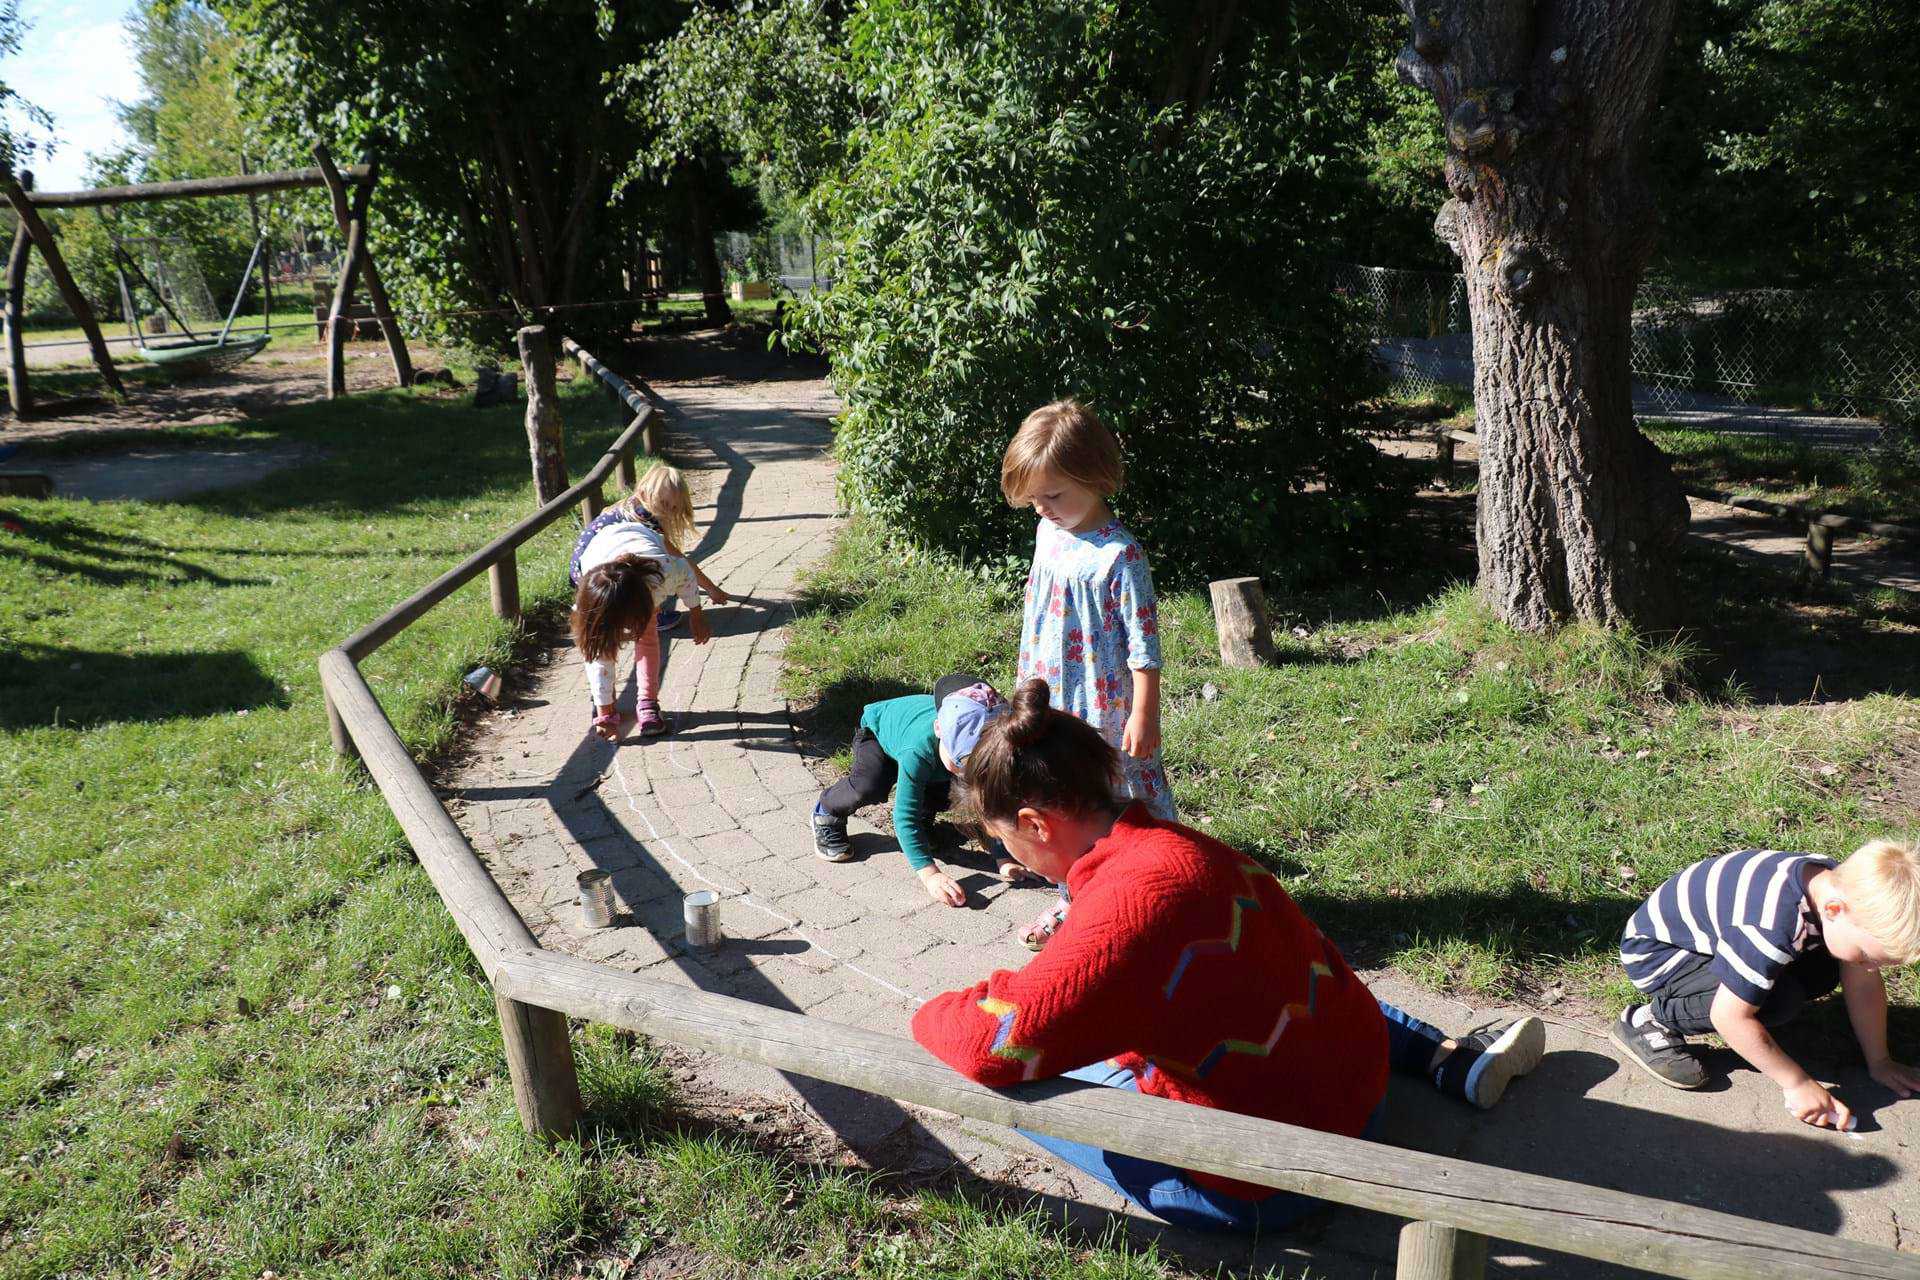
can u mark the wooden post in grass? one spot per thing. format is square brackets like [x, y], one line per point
[592, 503]
[629, 473]
[545, 442]
[1432, 1251]
[1443, 456]
[19, 393]
[35, 226]
[1819, 556]
[337, 731]
[343, 292]
[540, 1061]
[376, 290]
[1240, 616]
[503, 583]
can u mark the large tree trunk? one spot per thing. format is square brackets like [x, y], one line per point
[700, 232]
[1545, 107]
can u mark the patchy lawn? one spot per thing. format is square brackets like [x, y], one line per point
[1478, 808]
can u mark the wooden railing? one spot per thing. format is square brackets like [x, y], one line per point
[1455, 1205]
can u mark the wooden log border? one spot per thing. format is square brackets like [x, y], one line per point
[1450, 1201]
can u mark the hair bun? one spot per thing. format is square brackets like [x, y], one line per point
[1032, 708]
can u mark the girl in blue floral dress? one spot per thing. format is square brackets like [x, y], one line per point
[1090, 626]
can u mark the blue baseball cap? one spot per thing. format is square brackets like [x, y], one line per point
[963, 712]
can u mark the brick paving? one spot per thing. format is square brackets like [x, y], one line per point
[722, 803]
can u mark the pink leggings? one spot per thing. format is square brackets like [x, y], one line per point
[646, 662]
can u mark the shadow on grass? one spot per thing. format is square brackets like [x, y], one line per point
[68, 545]
[1776, 641]
[45, 684]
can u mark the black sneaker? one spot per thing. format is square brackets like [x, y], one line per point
[1658, 1051]
[1491, 1057]
[830, 837]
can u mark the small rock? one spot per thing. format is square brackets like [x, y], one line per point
[393, 991]
[1209, 691]
[1626, 873]
[1436, 804]
[243, 1006]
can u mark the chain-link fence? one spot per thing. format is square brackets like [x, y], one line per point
[1849, 353]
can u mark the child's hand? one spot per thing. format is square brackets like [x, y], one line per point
[1014, 872]
[697, 627]
[606, 723]
[719, 596]
[1811, 1104]
[942, 887]
[1898, 1077]
[1141, 737]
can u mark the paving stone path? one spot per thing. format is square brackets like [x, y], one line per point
[722, 804]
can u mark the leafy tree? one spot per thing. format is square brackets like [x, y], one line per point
[1038, 198]
[498, 145]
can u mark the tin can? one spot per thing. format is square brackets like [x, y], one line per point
[485, 682]
[702, 912]
[596, 899]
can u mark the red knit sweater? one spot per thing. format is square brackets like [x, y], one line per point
[1188, 964]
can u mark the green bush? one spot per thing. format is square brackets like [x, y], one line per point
[1020, 218]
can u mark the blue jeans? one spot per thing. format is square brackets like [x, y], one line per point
[1173, 1196]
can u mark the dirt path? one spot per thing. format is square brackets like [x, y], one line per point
[723, 804]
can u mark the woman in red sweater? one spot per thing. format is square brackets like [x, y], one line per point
[1184, 971]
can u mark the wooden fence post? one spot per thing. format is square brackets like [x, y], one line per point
[545, 441]
[337, 730]
[1443, 457]
[1240, 616]
[592, 504]
[35, 226]
[540, 1062]
[19, 392]
[629, 473]
[650, 434]
[503, 582]
[1433, 1251]
[1819, 556]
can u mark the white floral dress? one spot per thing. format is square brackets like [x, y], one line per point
[1090, 623]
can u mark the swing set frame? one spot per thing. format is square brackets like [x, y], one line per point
[350, 217]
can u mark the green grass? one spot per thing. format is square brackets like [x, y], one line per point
[239, 1034]
[292, 306]
[1878, 482]
[1479, 808]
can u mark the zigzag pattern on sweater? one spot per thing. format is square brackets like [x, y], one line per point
[1296, 1008]
[1004, 1045]
[1248, 901]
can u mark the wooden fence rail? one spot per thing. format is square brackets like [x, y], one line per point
[1455, 1205]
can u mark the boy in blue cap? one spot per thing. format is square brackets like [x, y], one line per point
[913, 747]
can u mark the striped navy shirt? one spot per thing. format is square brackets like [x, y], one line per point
[1747, 910]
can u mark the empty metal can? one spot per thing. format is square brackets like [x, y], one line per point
[596, 899]
[702, 911]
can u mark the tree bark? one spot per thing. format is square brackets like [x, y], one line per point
[1545, 107]
[700, 231]
[33, 225]
[545, 442]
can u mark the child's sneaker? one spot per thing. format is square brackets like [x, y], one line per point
[1656, 1050]
[649, 722]
[1490, 1058]
[830, 837]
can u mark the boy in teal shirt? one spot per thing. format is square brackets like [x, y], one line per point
[913, 747]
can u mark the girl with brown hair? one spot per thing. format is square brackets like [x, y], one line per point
[1185, 971]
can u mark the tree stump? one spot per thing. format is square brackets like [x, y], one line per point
[1240, 616]
[545, 442]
